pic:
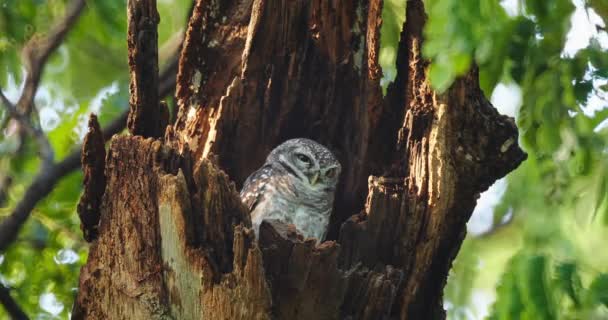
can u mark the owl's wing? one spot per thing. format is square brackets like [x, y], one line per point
[253, 188]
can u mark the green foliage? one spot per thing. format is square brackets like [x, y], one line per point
[525, 291]
[526, 49]
[19, 22]
[463, 274]
[458, 32]
[40, 262]
[559, 196]
[569, 281]
[598, 290]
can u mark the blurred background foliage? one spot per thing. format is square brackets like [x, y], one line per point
[536, 247]
[536, 244]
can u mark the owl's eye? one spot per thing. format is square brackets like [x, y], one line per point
[304, 158]
[331, 173]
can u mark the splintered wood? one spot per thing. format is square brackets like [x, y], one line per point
[93, 158]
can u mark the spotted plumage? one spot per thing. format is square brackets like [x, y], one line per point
[296, 185]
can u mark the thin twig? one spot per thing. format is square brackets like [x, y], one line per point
[51, 224]
[5, 183]
[10, 305]
[46, 151]
[37, 51]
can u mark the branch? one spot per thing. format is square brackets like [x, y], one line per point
[145, 118]
[94, 180]
[5, 183]
[37, 51]
[47, 178]
[46, 151]
[10, 305]
[35, 54]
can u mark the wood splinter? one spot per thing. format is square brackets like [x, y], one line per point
[93, 165]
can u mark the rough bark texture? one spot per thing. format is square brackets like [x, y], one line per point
[257, 72]
[308, 283]
[174, 239]
[146, 116]
[93, 164]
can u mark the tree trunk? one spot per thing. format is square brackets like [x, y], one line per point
[173, 239]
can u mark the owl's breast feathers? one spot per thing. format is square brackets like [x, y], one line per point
[272, 193]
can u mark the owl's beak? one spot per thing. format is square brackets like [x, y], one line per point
[314, 178]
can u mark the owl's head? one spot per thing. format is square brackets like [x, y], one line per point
[308, 161]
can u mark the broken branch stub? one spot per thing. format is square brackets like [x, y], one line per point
[94, 184]
[146, 117]
[149, 254]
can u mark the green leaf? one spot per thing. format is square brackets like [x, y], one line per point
[508, 304]
[580, 164]
[534, 287]
[548, 137]
[569, 281]
[582, 90]
[441, 76]
[598, 290]
[463, 274]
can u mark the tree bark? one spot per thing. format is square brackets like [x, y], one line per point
[174, 240]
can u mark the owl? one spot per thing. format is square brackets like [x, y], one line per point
[296, 185]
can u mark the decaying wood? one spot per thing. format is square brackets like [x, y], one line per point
[241, 91]
[448, 149]
[146, 114]
[148, 261]
[93, 164]
[174, 239]
[151, 256]
[308, 283]
[124, 263]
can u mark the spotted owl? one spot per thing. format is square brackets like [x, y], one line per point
[296, 185]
